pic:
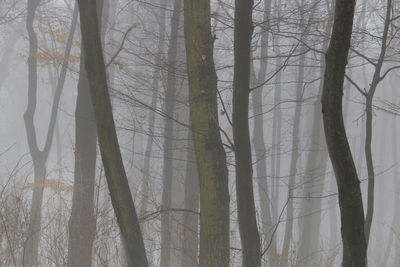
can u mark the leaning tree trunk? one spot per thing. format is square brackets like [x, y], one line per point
[82, 223]
[350, 200]
[249, 235]
[39, 157]
[170, 94]
[120, 194]
[210, 154]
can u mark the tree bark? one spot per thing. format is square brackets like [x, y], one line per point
[350, 200]
[82, 223]
[170, 94]
[250, 239]
[120, 194]
[210, 154]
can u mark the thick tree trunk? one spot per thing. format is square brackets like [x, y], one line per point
[120, 194]
[210, 154]
[249, 235]
[170, 95]
[82, 223]
[350, 200]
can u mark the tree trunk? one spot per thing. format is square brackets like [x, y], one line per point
[368, 110]
[154, 96]
[314, 173]
[190, 220]
[120, 194]
[210, 154]
[166, 239]
[350, 200]
[249, 235]
[39, 157]
[258, 139]
[288, 239]
[82, 223]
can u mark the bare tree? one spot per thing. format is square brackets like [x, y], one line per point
[210, 154]
[121, 197]
[39, 157]
[350, 200]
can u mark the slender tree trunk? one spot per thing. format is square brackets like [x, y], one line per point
[368, 110]
[39, 157]
[249, 235]
[166, 239]
[258, 138]
[350, 200]
[120, 194]
[314, 173]
[288, 239]
[154, 97]
[276, 132]
[210, 154]
[190, 245]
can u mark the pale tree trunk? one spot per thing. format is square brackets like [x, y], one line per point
[276, 134]
[314, 175]
[258, 138]
[350, 200]
[395, 229]
[210, 154]
[249, 235]
[170, 94]
[288, 238]
[154, 96]
[39, 157]
[120, 194]
[190, 245]
[5, 59]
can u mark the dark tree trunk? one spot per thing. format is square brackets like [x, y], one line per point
[120, 194]
[249, 235]
[210, 154]
[350, 200]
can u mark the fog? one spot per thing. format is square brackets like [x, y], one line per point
[57, 204]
